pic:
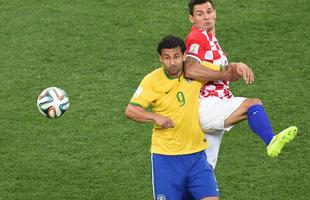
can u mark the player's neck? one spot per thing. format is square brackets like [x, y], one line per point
[173, 76]
[178, 75]
[213, 31]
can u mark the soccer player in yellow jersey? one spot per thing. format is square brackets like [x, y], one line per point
[177, 150]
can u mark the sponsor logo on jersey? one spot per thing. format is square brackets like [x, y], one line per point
[168, 91]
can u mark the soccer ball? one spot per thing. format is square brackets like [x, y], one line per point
[53, 102]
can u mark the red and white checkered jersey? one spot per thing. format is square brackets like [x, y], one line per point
[204, 46]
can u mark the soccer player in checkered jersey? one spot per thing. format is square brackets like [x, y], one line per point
[219, 109]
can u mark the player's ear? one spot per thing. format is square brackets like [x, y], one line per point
[191, 19]
[183, 56]
[160, 59]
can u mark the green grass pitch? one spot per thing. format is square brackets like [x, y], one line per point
[98, 51]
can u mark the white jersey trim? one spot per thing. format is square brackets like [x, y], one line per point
[153, 185]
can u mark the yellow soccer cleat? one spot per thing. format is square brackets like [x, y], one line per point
[278, 141]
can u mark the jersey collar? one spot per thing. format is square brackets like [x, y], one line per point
[170, 77]
[194, 28]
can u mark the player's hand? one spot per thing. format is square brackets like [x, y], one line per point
[245, 72]
[163, 122]
[229, 73]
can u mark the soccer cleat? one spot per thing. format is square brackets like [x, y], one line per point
[278, 141]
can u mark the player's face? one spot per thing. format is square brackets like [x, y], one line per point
[172, 60]
[204, 16]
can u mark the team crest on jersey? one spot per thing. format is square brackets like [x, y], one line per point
[161, 197]
[194, 48]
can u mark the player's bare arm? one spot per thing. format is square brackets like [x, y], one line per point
[194, 70]
[241, 70]
[139, 114]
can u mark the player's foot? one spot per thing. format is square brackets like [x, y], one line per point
[279, 141]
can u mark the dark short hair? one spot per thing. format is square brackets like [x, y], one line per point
[192, 3]
[171, 42]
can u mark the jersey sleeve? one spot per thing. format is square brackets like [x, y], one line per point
[211, 66]
[144, 94]
[195, 47]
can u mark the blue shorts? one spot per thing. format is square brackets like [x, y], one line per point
[177, 177]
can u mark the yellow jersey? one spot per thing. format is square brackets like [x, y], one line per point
[178, 99]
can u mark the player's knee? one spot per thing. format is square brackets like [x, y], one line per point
[257, 101]
[251, 102]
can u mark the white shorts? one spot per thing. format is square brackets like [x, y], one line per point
[213, 112]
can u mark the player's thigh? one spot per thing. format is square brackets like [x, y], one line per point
[201, 181]
[213, 112]
[168, 178]
[240, 112]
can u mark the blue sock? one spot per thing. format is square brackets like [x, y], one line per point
[259, 123]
